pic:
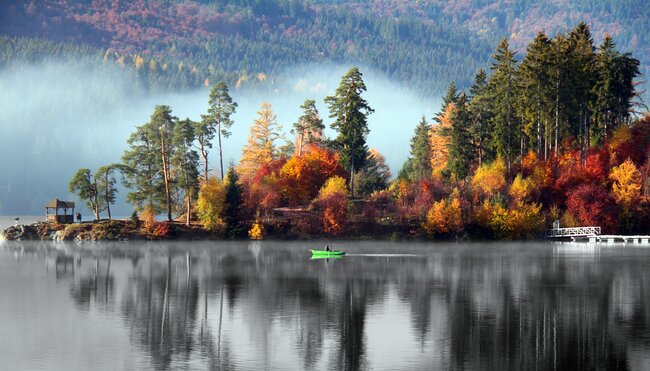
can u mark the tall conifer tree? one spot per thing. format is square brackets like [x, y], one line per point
[502, 96]
[350, 111]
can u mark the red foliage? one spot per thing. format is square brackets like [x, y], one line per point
[572, 174]
[592, 205]
[262, 191]
[632, 143]
[414, 200]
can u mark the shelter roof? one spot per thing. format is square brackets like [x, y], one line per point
[58, 204]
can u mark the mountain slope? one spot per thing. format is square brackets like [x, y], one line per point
[427, 44]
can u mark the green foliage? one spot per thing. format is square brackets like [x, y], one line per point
[461, 149]
[419, 163]
[218, 118]
[233, 202]
[350, 112]
[374, 175]
[501, 92]
[85, 186]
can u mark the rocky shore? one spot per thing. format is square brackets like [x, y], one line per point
[104, 230]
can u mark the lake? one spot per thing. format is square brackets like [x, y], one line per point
[267, 305]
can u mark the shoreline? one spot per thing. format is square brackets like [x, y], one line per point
[126, 230]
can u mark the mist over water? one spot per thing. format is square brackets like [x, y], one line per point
[57, 118]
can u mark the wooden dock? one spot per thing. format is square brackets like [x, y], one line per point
[645, 240]
[592, 235]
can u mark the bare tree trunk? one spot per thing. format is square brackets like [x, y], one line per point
[352, 178]
[204, 155]
[220, 149]
[96, 203]
[108, 203]
[189, 209]
[166, 175]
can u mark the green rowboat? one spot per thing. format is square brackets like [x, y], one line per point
[320, 253]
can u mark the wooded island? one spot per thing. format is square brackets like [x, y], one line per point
[557, 135]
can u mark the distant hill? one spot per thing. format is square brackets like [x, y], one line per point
[171, 44]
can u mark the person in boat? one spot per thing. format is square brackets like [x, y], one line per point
[327, 248]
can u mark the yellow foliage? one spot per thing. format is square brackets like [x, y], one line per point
[524, 221]
[521, 222]
[490, 179]
[153, 65]
[626, 186]
[444, 217]
[261, 76]
[148, 216]
[210, 204]
[440, 140]
[333, 186]
[521, 189]
[257, 231]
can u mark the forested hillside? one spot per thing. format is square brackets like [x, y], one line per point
[184, 44]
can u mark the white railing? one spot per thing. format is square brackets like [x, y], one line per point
[573, 232]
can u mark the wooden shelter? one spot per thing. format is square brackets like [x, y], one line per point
[57, 205]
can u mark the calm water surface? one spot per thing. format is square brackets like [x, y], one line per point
[266, 305]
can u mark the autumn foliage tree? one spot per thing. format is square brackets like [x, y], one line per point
[210, 205]
[264, 142]
[593, 206]
[332, 204]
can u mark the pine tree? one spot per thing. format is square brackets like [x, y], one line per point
[221, 108]
[581, 83]
[461, 150]
[163, 122]
[262, 147]
[480, 113]
[185, 163]
[309, 127]
[502, 97]
[450, 97]
[374, 175]
[535, 90]
[141, 169]
[105, 183]
[350, 112]
[420, 160]
[85, 186]
[233, 201]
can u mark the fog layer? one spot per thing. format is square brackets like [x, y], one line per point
[56, 119]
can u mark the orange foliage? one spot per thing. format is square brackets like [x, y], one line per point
[302, 176]
[445, 216]
[335, 214]
[440, 140]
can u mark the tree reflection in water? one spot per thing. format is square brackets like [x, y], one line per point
[233, 305]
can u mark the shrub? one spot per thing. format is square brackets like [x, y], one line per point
[257, 231]
[210, 205]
